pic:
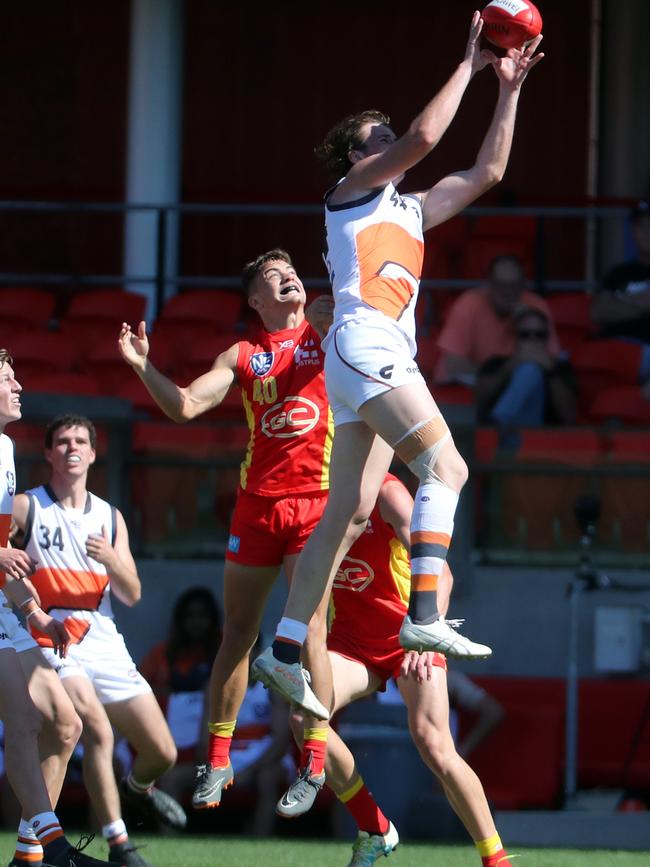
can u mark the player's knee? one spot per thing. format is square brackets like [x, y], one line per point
[68, 726]
[432, 744]
[239, 631]
[432, 457]
[97, 733]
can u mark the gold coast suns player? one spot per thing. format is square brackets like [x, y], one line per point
[374, 253]
[366, 609]
[284, 476]
[41, 726]
[80, 546]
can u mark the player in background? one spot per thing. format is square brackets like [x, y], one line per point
[80, 546]
[368, 602]
[374, 252]
[41, 726]
[284, 476]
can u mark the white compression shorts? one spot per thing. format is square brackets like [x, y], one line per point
[366, 356]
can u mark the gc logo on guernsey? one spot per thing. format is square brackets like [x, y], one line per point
[354, 575]
[291, 417]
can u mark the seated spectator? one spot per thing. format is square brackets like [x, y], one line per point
[481, 322]
[528, 388]
[622, 305]
[178, 670]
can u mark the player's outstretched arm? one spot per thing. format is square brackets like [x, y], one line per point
[180, 404]
[460, 189]
[428, 127]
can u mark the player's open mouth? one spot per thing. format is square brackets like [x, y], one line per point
[73, 459]
[291, 288]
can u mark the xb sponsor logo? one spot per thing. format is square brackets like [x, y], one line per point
[292, 417]
[261, 363]
[354, 575]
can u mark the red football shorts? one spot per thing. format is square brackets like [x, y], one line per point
[265, 529]
[385, 661]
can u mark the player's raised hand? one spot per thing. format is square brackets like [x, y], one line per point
[134, 348]
[513, 68]
[473, 52]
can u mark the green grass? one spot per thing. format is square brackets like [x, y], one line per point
[214, 851]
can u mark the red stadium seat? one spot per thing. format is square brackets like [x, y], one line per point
[190, 317]
[25, 307]
[601, 364]
[571, 314]
[201, 356]
[97, 314]
[134, 391]
[625, 404]
[38, 352]
[480, 253]
[427, 355]
[61, 383]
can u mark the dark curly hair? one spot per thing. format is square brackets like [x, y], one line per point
[252, 269]
[67, 420]
[344, 137]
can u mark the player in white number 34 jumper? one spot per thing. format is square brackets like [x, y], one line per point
[80, 545]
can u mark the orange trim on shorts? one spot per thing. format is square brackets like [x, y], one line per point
[424, 582]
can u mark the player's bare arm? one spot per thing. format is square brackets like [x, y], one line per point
[180, 404]
[395, 507]
[460, 189]
[385, 158]
[118, 560]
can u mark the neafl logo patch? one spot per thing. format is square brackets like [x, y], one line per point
[292, 417]
[261, 363]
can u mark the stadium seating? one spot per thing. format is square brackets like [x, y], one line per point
[624, 404]
[41, 352]
[571, 314]
[189, 317]
[25, 307]
[104, 362]
[99, 313]
[626, 512]
[601, 364]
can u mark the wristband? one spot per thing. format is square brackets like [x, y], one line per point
[29, 607]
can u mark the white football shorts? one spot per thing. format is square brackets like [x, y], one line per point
[106, 662]
[365, 356]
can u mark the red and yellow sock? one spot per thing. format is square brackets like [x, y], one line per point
[358, 801]
[492, 852]
[219, 741]
[314, 747]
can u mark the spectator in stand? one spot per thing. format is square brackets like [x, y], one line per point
[178, 671]
[622, 306]
[528, 388]
[481, 322]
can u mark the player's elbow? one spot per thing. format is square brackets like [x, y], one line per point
[133, 595]
[490, 175]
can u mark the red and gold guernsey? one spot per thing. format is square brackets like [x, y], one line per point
[280, 375]
[371, 590]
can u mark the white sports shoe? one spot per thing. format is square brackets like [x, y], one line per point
[290, 681]
[367, 848]
[440, 636]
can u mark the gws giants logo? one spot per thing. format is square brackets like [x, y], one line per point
[261, 363]
[292, 417]
[354, 575]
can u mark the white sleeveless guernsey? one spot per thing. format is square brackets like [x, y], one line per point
[7, 491]
[375, 248]
[72, 586]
